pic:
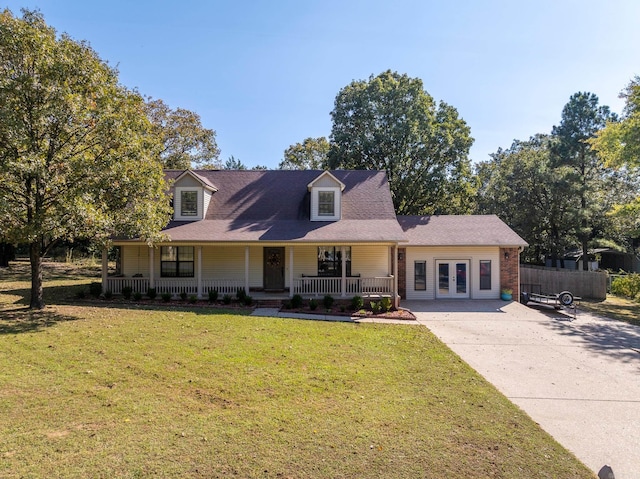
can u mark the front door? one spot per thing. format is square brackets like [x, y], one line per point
[452, 279]
[273, 269]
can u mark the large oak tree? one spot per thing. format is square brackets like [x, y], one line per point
[389, 122]
[78, 155]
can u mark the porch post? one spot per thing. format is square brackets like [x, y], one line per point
[105, 268]
[394, 258]
[291, 286]
[343, 282]
[199, 272]
[246, 269]
[152, 273]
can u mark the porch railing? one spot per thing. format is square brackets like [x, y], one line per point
[174, 286]
[223, 286]
[115, 284]
[380, 286]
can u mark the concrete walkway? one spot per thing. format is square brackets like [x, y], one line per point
[579, 379]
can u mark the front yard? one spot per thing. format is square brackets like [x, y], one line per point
[124, 391]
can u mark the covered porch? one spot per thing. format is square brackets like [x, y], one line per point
[274, 271]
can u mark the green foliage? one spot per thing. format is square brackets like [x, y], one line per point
[247, 300]
[327, 301]
[357, 303]
[78, 155]
[234, 164]
[313, 304]
[95, 289]
[193, 299]
[166, 297]
[126, 292]
[108, 294]
[213, 295]
[226, 299]
[152, 293]
[184, 295]
[375, 307]
[385, 304]
[241, 294]
[296, 301]
[185, 142]
[391, 123]
[311, 154]
[137, 295]
[627, 286]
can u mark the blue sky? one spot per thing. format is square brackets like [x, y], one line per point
[264, 74]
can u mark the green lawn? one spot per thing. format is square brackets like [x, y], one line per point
[615, 307]
[88, 390]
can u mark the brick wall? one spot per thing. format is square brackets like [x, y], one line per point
[510, 270]
[402, 272]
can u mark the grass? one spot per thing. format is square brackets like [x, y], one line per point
[616, 308]
[114, 392]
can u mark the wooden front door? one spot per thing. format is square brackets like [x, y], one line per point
[273, 269]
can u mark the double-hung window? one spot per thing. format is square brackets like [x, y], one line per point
[330, 260]
[176, 262]
[326, 203]
[189, 203]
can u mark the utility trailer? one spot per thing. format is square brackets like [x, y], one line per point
[564, 300]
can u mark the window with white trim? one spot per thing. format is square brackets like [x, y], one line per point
[189, 203]
[176, 262]
[330, 260]
[420, 275]
[485, 274]
[326, 203]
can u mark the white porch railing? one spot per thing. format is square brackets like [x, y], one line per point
[319, 286]
[116, 284]
[175, 286]
[223, 286]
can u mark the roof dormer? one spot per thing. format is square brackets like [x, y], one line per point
[191, 197]
[326, 197]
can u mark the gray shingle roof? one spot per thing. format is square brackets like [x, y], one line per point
[273, 205]
[459, 230]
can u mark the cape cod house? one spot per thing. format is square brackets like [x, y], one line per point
[313, 233]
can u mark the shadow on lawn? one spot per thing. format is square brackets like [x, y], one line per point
[24, 320]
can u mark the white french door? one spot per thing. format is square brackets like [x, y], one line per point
[452, 280]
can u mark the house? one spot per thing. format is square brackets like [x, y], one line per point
[313, 233]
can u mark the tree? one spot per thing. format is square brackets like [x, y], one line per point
[78, 158]
[573, 156]
[391, 123]
[185, 141]
[234, 164]
[311, 154]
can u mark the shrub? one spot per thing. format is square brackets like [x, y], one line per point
[108, 294]
[247, 300]
[287, 305]
[241, 294]
[152, 293]
[183, 295]
[81, 294]
[385, 304]
[126, 292]
[313, 304]
[343, 308]
[213, 295]
[328, 301]
[166, 297]
[226, 299]
[193, 298]
[357, 303]
[375, 307]
[296, 301]
[137, 296]
[95, 289]
[628, 286]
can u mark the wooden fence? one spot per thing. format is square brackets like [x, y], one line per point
[586, 284]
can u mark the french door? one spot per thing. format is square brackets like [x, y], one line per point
[453, 278]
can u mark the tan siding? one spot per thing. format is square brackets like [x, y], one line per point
[473, 254]
[187, 180]
[326, 181]
[135, 260]
[370, 261]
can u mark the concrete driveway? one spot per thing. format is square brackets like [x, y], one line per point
[579, 379]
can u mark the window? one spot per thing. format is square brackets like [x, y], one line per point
[485, 274]
[189, 203]
[330, 260]
[420, 275]
[176, 262]
[326, 204]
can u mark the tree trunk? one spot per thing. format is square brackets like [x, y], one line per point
[585, 256]
[37, 297]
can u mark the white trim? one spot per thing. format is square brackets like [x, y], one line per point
[326, 173]
[315, 204]
[177, 203]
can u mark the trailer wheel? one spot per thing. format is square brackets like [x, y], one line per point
[566, 298]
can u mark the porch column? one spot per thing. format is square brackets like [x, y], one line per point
[152, 273]
[246, 269]
[105, 268]
[343, 282]
[291, 285]
[394, 258]
[199, 273]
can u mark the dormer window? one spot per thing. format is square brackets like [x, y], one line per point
[326, 203]
[326, 197]
[189, 203]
